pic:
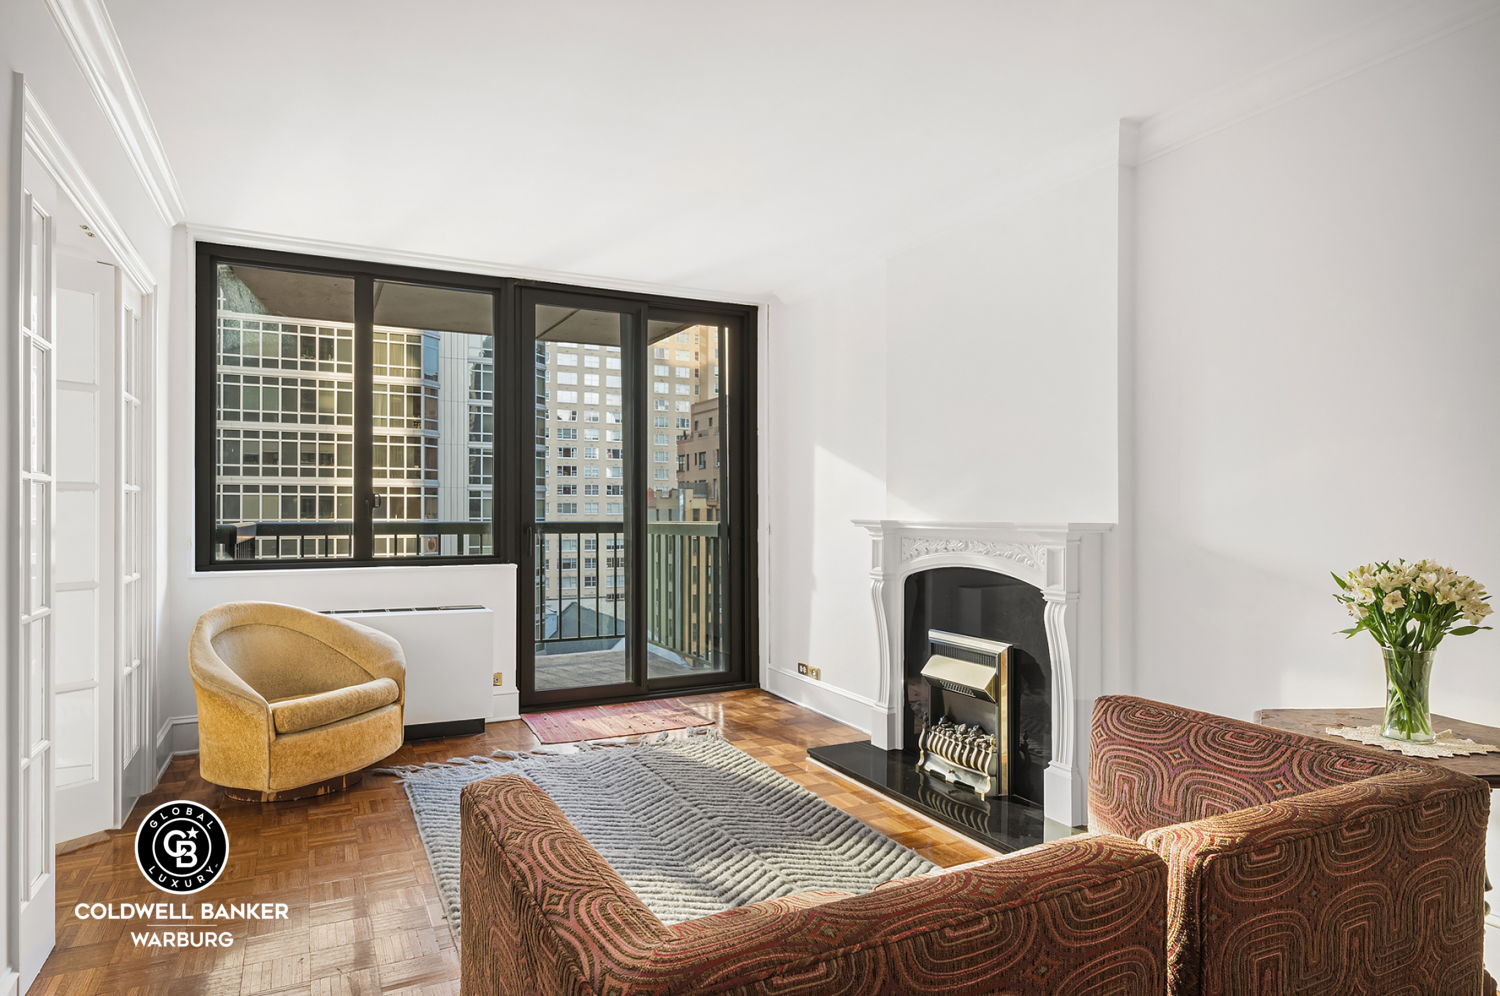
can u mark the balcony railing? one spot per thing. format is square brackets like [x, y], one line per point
[684, 607]
[580, 588]
[580, 584]
[330, 539]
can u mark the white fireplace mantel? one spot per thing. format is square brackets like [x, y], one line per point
[1065, 562]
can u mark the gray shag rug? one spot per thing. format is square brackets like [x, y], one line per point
[694, 826]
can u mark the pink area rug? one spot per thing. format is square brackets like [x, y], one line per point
[627, 719]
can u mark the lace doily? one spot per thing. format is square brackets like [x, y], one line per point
[1447, 744]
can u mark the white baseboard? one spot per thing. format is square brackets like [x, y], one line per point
[183, 731]
[166, 762]
[822, 698]
[505, 704]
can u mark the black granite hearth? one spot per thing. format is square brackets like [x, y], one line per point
[1007, 824]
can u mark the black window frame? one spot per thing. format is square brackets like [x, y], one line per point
[364, 274]
[511, 506]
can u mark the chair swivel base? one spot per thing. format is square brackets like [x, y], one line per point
[328, 785]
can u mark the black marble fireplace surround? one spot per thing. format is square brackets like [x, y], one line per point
[991, 606]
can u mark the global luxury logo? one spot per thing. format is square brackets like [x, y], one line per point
[181, 847]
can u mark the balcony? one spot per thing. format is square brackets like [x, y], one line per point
[580, 591]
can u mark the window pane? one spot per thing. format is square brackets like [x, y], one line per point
[284, 388]
[434, 415]
[683, 493]
[580, 534]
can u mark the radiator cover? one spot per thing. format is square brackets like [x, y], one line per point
[450, 660]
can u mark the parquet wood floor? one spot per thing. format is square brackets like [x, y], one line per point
[364, 916]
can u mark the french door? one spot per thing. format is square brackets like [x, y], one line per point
[33, 880]
[625, 561]
[81, 604]
[83, 600]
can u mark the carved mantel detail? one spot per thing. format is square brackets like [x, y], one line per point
[1032, 556]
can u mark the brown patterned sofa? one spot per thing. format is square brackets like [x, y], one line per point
[1297, 865]
[544, 914]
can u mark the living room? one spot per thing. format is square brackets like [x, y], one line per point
[1165, 311]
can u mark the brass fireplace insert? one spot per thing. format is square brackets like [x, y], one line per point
[967, 739]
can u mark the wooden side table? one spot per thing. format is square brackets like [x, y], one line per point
[1315, 723]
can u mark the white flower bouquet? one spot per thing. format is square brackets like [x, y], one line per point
[1408, 609]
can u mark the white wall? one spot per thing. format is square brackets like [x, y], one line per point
[1319, 381]
[1002, 380]
[824, 449]
[970, 378]
[1307, 345]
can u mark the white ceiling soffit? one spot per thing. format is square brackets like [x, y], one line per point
[43, 141]
[89, 33]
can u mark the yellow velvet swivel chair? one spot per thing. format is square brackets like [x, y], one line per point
[292, 703]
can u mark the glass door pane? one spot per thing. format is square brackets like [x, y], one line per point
[580, 473]
[685, 502]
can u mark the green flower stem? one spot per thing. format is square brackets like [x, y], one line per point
[1406, 705]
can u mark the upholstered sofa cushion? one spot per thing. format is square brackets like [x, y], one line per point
[544, 914]
[307, 711]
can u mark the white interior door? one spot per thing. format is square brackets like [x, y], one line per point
[134, 619]
[34, 884]
[84, 573]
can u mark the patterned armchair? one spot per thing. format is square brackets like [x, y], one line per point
[544, 914]
[1297, 866]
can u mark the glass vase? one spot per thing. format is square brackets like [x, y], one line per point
[1407, 673]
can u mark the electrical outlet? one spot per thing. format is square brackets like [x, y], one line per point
[801, 668]
[499, 679]
[815, 674]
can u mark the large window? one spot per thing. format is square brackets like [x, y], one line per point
[359, 414]
[351, 415]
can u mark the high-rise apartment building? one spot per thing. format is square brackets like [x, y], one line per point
[580, 454]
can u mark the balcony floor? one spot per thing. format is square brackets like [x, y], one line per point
[599, 667]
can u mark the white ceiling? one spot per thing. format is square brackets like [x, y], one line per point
[734, 147]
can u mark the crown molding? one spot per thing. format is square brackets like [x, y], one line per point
[460, 264]
[1345, 55]
[90, 34]
[42, 139]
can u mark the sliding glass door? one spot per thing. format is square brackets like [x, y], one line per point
[629, 565]
[686, 558]
[581, 472]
